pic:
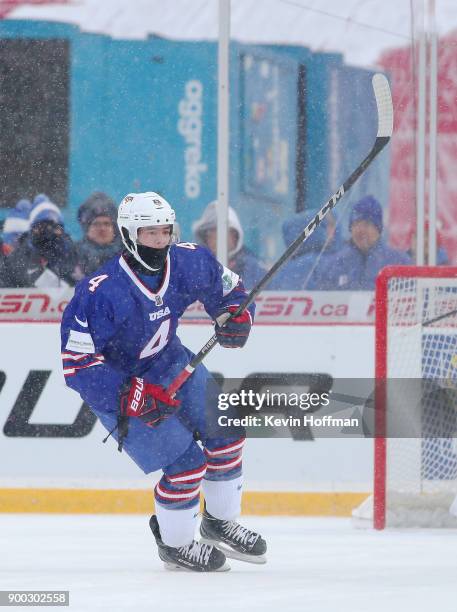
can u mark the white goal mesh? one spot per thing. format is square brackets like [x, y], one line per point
[416, 354]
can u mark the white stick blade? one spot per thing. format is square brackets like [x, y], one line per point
[384, 103]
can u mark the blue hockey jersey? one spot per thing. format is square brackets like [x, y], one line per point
[122, 323]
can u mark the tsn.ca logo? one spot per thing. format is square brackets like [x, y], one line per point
[294, 308]
[28, 304]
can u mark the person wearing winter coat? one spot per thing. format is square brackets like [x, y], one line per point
[45, 256]
[241, 260]
[16, 223]
[97, 217]
[302, 270]
[357, 264]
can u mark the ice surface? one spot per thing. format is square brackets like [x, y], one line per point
[316, 565]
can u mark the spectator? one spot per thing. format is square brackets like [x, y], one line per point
[241, 260]
[442, 258]
[16, 223]
[302, 270]
[97, 217]
[358, 263]
[45, 256]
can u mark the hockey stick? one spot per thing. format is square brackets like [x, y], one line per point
[385, 127]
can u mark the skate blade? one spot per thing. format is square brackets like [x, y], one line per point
[173, 567]
[234, 554]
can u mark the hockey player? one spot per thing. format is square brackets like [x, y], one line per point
[120, 351]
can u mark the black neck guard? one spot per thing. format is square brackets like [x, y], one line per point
[139, 268]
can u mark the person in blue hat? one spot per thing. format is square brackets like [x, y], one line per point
[45, 256]
[357, 264]
[16, 223]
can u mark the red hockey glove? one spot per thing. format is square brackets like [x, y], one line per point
[149, 403]
[235, 332]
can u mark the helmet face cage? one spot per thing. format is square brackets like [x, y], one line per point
[142, 210]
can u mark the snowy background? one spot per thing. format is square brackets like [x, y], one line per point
[361, 29]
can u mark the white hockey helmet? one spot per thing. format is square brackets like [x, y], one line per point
[142, 210]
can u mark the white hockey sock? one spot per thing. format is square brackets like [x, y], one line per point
[223, 498]
[177, 527]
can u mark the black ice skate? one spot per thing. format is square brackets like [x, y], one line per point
[195, 557]
[234, 540]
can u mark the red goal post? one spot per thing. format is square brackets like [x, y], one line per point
[415, 479]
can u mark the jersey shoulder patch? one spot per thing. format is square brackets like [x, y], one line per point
[230, 280]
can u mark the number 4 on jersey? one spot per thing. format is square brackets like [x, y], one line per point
[94, 282]
[158, 340]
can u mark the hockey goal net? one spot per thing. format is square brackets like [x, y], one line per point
[415, 472]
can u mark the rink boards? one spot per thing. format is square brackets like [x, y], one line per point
[52, 458]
